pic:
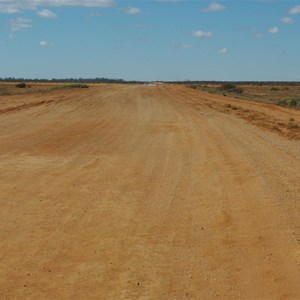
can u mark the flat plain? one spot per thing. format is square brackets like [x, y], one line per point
[148, 192]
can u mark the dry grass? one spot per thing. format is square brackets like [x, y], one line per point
[269, 93]
[9, 88]
[12, 88]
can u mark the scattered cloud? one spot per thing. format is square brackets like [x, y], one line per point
[295, 10]
[8, 9]
[48, 14]
[223, 50]
[200, 34]
[215, 6]
[45, 44]
[20, 24]
[132, 11]
[287, 20]
[16, 6]
[274, 29]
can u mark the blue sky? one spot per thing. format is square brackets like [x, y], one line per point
[151, 40]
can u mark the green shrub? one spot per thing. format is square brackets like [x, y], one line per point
[282, 102]
[293, 102]
[289, 102]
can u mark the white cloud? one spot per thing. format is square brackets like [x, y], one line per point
[15, 6]
[132, 11]
[274, 29]
[295, 10]
[215, 6]
[287, 20]
[48, 14]
[8, 9]
[200, 34]
[223, 50]
[45, 44]
[19, 24]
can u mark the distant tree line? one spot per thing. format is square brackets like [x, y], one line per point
[109, 80]
[238, 82]
[71, 80]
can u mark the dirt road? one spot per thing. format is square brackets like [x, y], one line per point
[141, 192]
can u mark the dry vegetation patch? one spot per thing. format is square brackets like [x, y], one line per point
[283, 94]
[23, 88]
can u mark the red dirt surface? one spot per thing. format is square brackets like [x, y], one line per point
[139, 192]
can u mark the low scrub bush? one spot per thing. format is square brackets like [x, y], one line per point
[279, 89]
[21, 85]
[77, 86]
[289, 102]
[230, 87]
[282, 102]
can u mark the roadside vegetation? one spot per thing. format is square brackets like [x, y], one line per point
[285, 94]
[76, 86]
[231, 88]
[290, 102]
[23, 88]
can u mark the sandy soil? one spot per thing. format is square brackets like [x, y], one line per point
[135, 192]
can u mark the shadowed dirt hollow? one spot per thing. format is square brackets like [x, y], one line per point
[145, 192]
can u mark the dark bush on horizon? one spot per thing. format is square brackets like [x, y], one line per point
[21, 85]
[77, 86]
[230, 87]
